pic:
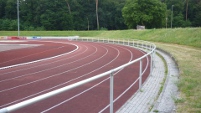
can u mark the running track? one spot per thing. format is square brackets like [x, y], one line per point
[87, 59]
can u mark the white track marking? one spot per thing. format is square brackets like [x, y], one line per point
[128, 87]
[58, 74]
[31, 55]
[41, 59]
[77, 94]
[57, 105]
[46, 69]
[62, 83]
[31, 67]
[88, 88]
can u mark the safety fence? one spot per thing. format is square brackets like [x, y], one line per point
[148, 47]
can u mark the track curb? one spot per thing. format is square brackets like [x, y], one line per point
[166, 101]
[150, 99]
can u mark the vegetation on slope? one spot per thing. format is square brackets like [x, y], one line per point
[182, 36]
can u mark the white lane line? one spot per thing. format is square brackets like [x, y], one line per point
[58, 74]
[41, 59]
[57, 105]
[48, 76]
[28, 74]
[129, 86]
[52, 87]
[31, 55]
[55, 61]
[27, 97]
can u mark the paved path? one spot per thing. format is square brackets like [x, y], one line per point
[148, 98]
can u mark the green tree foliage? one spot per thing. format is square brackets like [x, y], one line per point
[2, 8]
[196, 18]
[7, 24]
[185, 12]
[64, 14]
[81, 14]
[150, 13]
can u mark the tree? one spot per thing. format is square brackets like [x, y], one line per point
[2, 8]
[7, 24]
[10, 9]
[68, 5]
[187, 9]
[97, 14]
[150, 13]
[182, 12]
[197, 19]
[63, 14]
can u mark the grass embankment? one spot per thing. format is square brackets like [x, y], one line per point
[189, 61]
[186, 36]
[183, 44]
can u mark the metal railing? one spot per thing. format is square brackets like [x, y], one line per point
[148, 47]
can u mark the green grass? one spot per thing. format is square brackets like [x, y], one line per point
[189, 61]
[182, 36]
[50, 33]
[183, 43]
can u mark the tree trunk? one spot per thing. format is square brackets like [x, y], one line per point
[97, 14]
[186, 10]
[68, 6]
[88, 23]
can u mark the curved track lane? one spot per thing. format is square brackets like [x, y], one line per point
[27, 81]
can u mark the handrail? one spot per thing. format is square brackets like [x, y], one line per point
[143, 45]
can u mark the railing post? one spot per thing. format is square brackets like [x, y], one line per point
[128, 42]
[138, 44]
[141, 45]
[147, 46]
[151, 65]
[140, 75]
[153, 57]
[111, 91]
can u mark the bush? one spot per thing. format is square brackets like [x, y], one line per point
[8, 25]
[103, 29]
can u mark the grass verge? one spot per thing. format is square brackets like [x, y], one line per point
[182, 36]
[189, 61]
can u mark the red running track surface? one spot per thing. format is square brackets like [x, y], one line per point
[27, 81]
